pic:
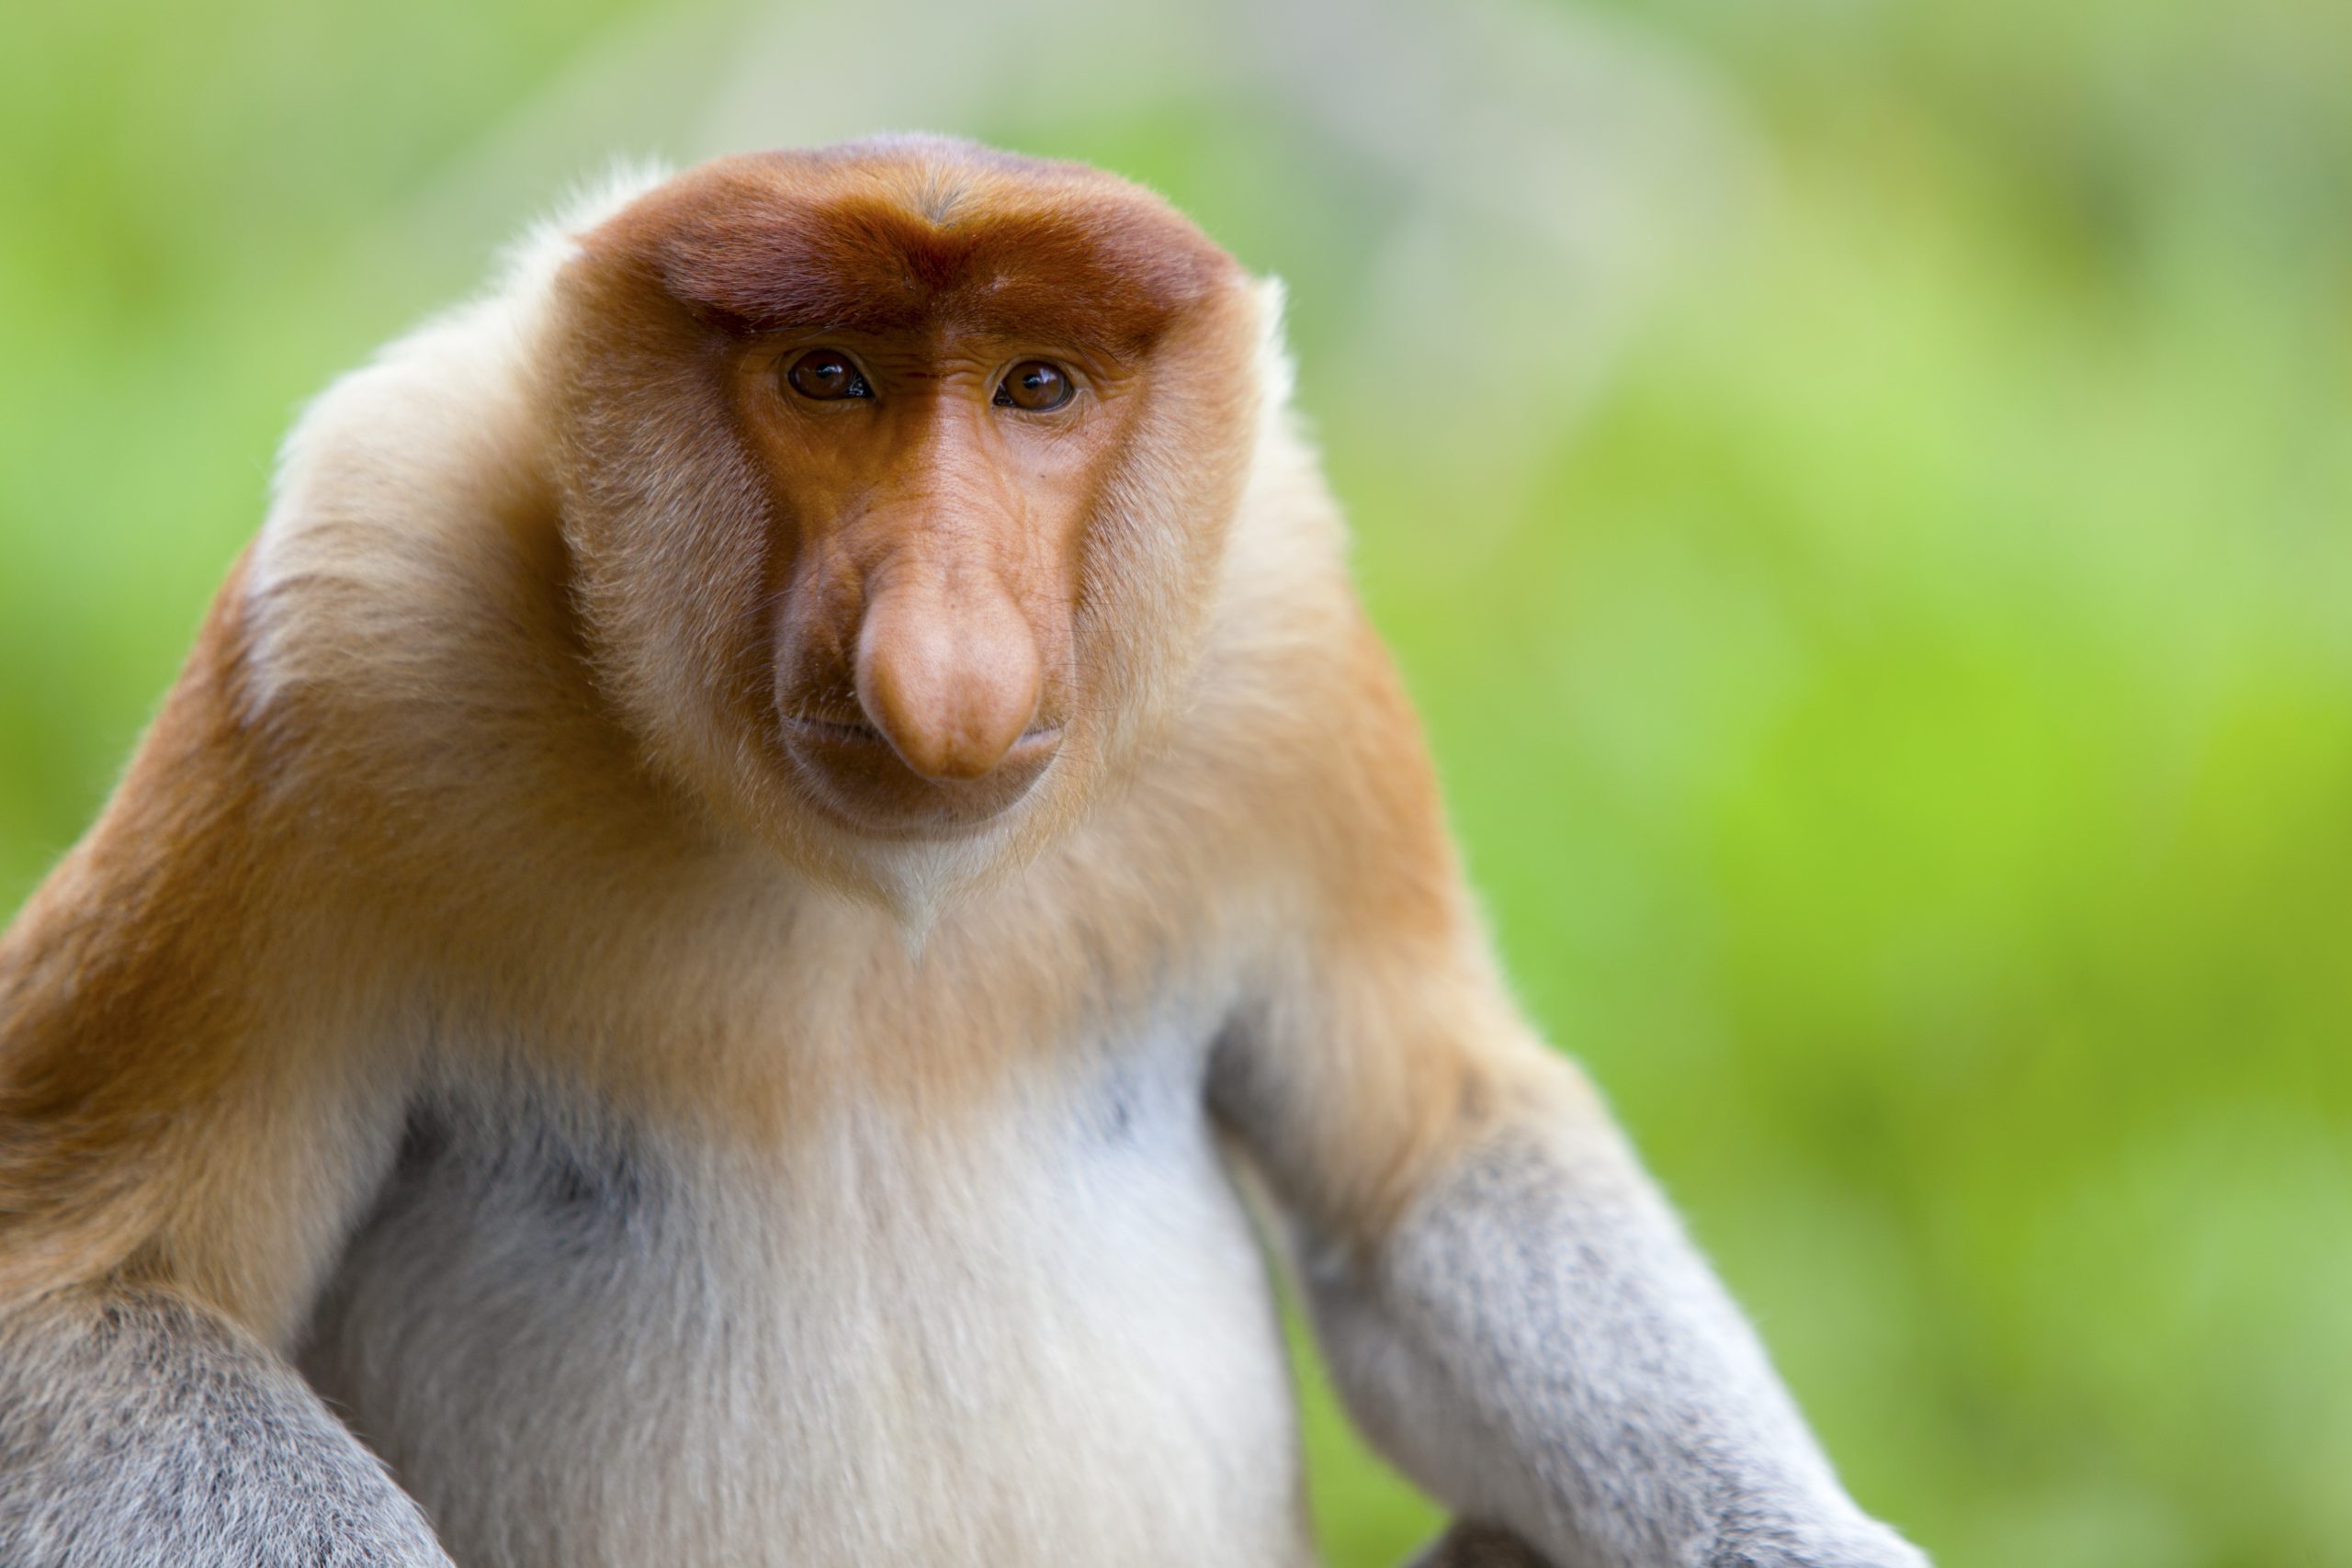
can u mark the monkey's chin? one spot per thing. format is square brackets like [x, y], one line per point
[858, 784]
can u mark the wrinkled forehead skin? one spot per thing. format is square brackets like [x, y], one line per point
[918, 234]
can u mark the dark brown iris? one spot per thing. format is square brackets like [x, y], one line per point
[827, 375]
[1035, 385]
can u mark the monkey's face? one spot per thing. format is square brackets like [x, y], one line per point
[897, 477]
[937, 487]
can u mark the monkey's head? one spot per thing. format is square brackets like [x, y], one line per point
[894, 479]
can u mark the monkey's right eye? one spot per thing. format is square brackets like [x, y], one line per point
[827, 376]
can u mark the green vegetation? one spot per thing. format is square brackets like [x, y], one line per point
[1898, 705]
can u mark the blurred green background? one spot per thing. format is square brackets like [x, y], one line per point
[1862, 493]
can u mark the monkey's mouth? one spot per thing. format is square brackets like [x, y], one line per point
[850, 773]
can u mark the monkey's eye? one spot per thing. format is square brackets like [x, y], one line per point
[827, 376]
[1035, 385]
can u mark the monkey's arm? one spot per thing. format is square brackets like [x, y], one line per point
[137, 1427]
[1535, 1341]
[1509, 1307]
[182, 1151]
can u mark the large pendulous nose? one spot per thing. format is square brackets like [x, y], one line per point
[950, 674]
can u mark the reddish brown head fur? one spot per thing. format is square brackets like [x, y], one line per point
[904, 234]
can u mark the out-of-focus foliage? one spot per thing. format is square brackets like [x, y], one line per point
[1890, 653]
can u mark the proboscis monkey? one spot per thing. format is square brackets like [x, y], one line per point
[780, 807]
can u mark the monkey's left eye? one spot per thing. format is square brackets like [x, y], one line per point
[1035, 385]
[827, 376]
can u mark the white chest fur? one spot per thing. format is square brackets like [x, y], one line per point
[1041, 1335]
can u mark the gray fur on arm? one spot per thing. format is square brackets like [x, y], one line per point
[138, 1429]
[1539, 1344]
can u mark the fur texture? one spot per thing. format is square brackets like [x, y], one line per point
[136, 1430]
[514, 983]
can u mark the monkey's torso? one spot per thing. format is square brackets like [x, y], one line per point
[1041, 1335]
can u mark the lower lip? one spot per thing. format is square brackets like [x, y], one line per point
[866, 735]
[852, 773]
